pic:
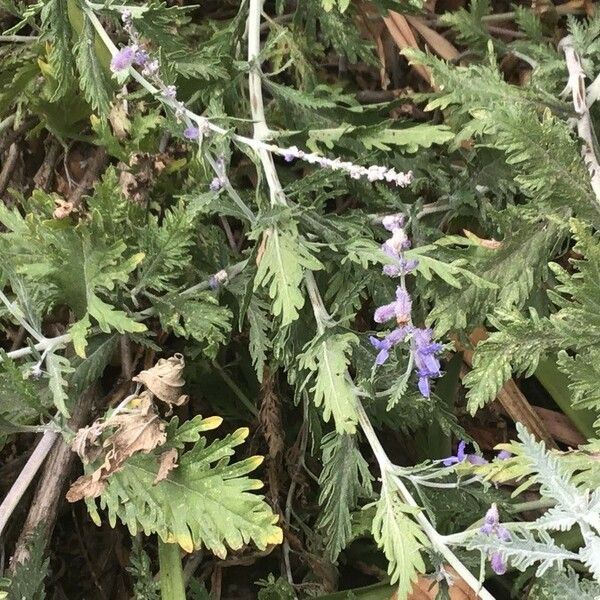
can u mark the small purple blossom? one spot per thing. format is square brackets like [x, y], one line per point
[503, 455]
[492, 528]
[191, 133]
[123, 59]
[141, 57]
[289, 154]
[427, 363]
[461, 456]
[169, 92]
[216, 184]
[391, 222]
[498, 563]
[395, 337]
[151, 68]
[400, 309]
[491, 525]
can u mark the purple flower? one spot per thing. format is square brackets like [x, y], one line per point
[216, 184]
[141, 57]
[123, 59]
[461, 456]
[503, 455]
[426, 361]
[400, 309]
[169, 92]
[395, 337]
[498, 563]
[391, 222]
[491, 525]
[150, 68]
[191, 133]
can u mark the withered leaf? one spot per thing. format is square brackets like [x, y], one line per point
[165, 380]
[167, 461]
[85, 442]
[140, 430]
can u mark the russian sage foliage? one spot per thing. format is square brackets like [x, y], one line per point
[311, 268]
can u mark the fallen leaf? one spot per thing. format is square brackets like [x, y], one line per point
[167, 461]
[85, 487]
[165, 380]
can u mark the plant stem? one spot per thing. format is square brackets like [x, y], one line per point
[47, 344]
[235, 388]
[437, 540]
[172, 586]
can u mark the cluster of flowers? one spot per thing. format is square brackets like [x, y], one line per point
[423, 350]
[134, 55]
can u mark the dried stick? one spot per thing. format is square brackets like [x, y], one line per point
[19, 487]
[585, 128]
[49, 491]
[9, 167]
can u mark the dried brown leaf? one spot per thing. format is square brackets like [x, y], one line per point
[85, 487]
[167, 461]
[165, 380]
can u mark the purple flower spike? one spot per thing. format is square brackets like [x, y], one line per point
[123, 59]
[497, 563]
[503, 455]
[191, 133]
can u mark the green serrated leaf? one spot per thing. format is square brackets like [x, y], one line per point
[281, 270]
[327, 359]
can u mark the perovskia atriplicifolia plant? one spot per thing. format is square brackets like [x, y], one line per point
[222, 221]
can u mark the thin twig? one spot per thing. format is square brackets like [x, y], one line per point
[49, 491]
[9, 166]
[11, 39]
[29, 471]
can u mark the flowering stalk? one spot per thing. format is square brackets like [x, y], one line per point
[423, 351]
[196, 126]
